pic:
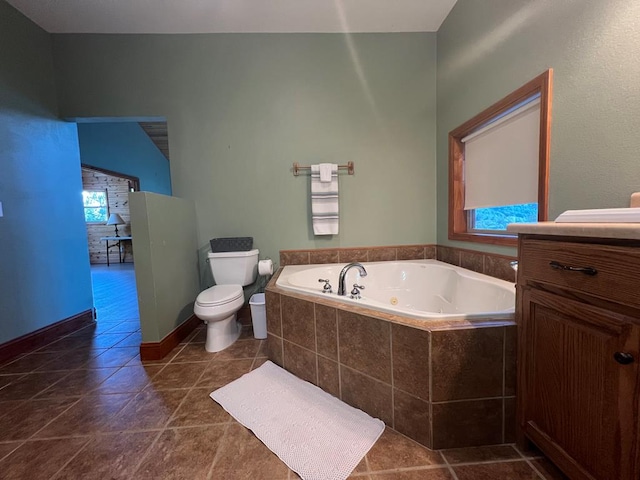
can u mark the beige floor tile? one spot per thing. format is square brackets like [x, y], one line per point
[221, 372]
[7, 379]
[89, 415]
[193, 352]
[246, 333]
[133, 340]
[77, 383]
[183, 453]
[259, 361]
[424, 474]
[243, 456]
[178, 375]
[480, 454]
[9, 406]
[199, 335]
[362, 466]
[136, 362]
[129, 379]
[114, 357]
[108, 340]
[149, 409]
[73, 359]
[30, 385]
[199, 408]
[39, 459]
[548, 470]
[393, 450]
[519, 470]
[108, 457]
[31, 416]
[68, 343]
[125, 327]
[7, 448]
[29, 363]
[240, 349]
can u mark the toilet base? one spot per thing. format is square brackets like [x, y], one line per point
[222, 334]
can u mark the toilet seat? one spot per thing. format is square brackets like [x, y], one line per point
[219, 295]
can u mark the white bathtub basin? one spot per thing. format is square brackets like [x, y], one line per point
[417, 288]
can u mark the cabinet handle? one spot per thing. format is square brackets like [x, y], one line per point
[623, 358]
[569, 268]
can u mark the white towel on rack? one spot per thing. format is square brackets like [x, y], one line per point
[326, 171]
[324, 202]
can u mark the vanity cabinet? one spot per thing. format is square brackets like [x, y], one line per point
[578, 310]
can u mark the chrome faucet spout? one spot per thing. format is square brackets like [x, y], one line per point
[343, 275]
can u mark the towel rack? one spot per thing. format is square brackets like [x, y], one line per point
[349, 167]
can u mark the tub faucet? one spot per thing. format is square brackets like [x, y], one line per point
[343, 274]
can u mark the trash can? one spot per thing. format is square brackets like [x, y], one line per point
[258, 315]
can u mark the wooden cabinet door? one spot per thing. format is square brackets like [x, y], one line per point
[577, 403]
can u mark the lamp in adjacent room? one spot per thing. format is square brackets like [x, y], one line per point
[115, 219]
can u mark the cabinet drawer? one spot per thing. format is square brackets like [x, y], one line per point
[618, 268]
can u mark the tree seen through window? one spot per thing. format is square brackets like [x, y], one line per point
[95, 206]
[497, 218]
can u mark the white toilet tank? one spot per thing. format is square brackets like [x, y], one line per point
[234, 268]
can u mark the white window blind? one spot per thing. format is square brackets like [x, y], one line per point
[501, 160]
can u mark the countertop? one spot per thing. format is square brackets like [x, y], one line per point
[628, 231]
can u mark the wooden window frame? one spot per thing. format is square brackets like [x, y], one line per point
[458, 227]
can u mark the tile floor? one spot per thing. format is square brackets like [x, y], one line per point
[86, 407]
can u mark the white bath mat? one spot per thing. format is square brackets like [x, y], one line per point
[318, 436]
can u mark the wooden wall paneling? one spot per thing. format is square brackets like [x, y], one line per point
[118, 198]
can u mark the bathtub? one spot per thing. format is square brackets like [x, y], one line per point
[423, 289]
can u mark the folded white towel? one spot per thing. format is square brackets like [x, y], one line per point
[324, 205]
[324, 202]
[325, 225]
[326, 171]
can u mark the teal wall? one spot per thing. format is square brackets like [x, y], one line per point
[124, 147]
[488, 49]
[241, 108]
[44, 259]
[165, 248]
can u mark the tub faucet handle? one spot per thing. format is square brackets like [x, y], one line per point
[327, 286]
[355, 293]
[342, 290]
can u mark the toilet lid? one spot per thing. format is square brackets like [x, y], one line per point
[219, 295]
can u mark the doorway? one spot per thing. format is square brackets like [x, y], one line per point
[106, 205]
[119, 156]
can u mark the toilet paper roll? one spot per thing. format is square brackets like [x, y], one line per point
[265, 267]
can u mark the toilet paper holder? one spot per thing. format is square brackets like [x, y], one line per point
[265, 267]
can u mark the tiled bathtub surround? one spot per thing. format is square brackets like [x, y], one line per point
[495, 265]
[444, 386]
[492, 264]
[357, 254]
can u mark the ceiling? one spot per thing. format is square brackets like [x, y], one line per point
[235, 16]
[159, 135]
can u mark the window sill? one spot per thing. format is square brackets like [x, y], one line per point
[494, 239]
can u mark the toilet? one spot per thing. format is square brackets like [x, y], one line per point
[217, 306]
